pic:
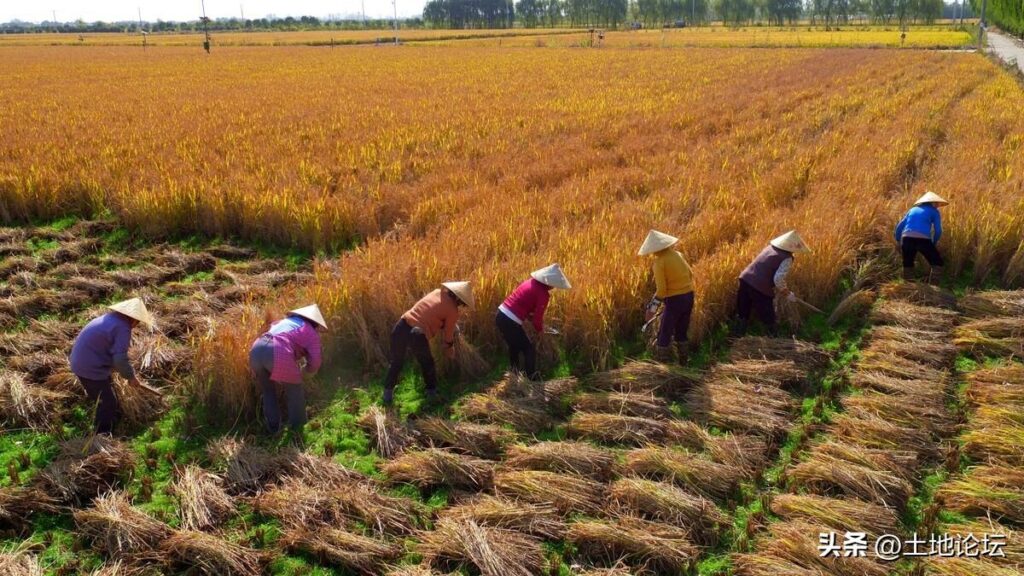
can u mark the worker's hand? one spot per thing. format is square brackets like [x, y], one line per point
[783, 291]
[135, 382]
[649, 315]
[791, 297]
[449, 352]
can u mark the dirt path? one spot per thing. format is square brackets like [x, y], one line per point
[1008, 48]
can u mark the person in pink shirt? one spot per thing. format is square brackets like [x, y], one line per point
[528, 302]
[274, 359]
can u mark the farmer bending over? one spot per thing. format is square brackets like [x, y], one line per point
[528, 301]
[763, 278]
[674, 282]
[919, 231]
[437, 312]
[100, 349]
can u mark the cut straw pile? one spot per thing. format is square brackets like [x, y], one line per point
[538, 520]
[246, 468]
[844, 515]
[566, 493]
[792, 548]
[842, 469]
[686, 470]
[202, 502]
[651, 547]
[735, 405]
[481, 440]
[87, 468]
[993, 303]
[19, 562]
[491, 551]
[26, 405]
[119, 530]
[805, 354]
[580, 458]
[644, 377]
[616, 429]
[638, 404]
[434, 467]
[386, 432]
[662, 502]
[341, 548]
[522, 416]
[211, 555]
[18, 505]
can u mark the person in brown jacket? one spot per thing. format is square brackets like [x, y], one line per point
[762, 279]
[435, 313]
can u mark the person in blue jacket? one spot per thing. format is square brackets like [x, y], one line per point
[919, 231]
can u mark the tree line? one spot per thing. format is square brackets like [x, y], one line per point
[1007, 14]
[615, 13]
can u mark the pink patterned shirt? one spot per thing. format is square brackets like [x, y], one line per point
[294, 338]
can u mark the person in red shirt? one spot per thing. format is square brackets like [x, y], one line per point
[435, 313]
[528, 302]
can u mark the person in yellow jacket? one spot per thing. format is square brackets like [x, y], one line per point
[674, 281]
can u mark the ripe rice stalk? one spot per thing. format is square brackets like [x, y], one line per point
[491, 551]
[158, 358]
[138, 407]
[1014, 539]
[804, 354]
[757, 564]
[639, 377]
[120, 530]
[923, 352]
[920, 293]
[777, 373]
[650, 547]
[580, 458]
[840, 514]
[468, 362]
[747, 453]
[246, 468]
[340, 548]
[907, 315]
[26, 405]
[998, 327]
[908, 336]
[688, 471]
[86, 468]
[899, 367]
[987, 491]
[485, 408]
[540, 520]
[296, 503]
[929, 415]
[998, 385]
[18, 562]
[900, 462]
[435, 467]
[877, 433]
[667, 503]
[993, 303]
[566, 493]
[981, 345]
[966, 567]
[797, 542]
[19, 504]
[481, 440]
[386, 432]
[733, 405]
[211, 555]
[999, 443]
[615, 429]
[828, 475]
[322, 471]
[854, 305]
[933, 392]
[202, 502]
[642, 405]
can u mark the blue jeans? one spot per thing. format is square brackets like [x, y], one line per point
[261, 360]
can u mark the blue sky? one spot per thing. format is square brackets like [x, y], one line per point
[114, 10]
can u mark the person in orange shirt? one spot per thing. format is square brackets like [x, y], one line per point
[436, 313]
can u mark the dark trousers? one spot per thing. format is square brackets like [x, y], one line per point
[750, 300]
[403, 339]
[910, 246]
[675, 318]
[519, 344]
[101, 392]
[261, 361]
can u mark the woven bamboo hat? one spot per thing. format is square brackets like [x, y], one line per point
[790, 242]
[551, 276]
[656, 242]
[135, 309]
[931, 197]
[311, 313]
[462, 290]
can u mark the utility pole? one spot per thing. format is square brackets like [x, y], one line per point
[982, 25]
[141, 31]
[55, 27]
[364, 13]
[206, 28]
[241, 10]
[395, 4]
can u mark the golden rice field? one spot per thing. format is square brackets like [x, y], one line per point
[750, 37]
[483, 164]
[266, 38]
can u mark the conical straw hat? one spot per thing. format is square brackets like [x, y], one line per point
[552, 276]
[311, 313]
[135, 309]
[656, 242]
[462, 290]
[790, 242]
[931, 197]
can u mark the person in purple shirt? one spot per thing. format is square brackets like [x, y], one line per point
[100, 349]
[274, 359]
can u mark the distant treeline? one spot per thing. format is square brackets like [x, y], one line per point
[615, 13]
[1007, 14]
[221, 24]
